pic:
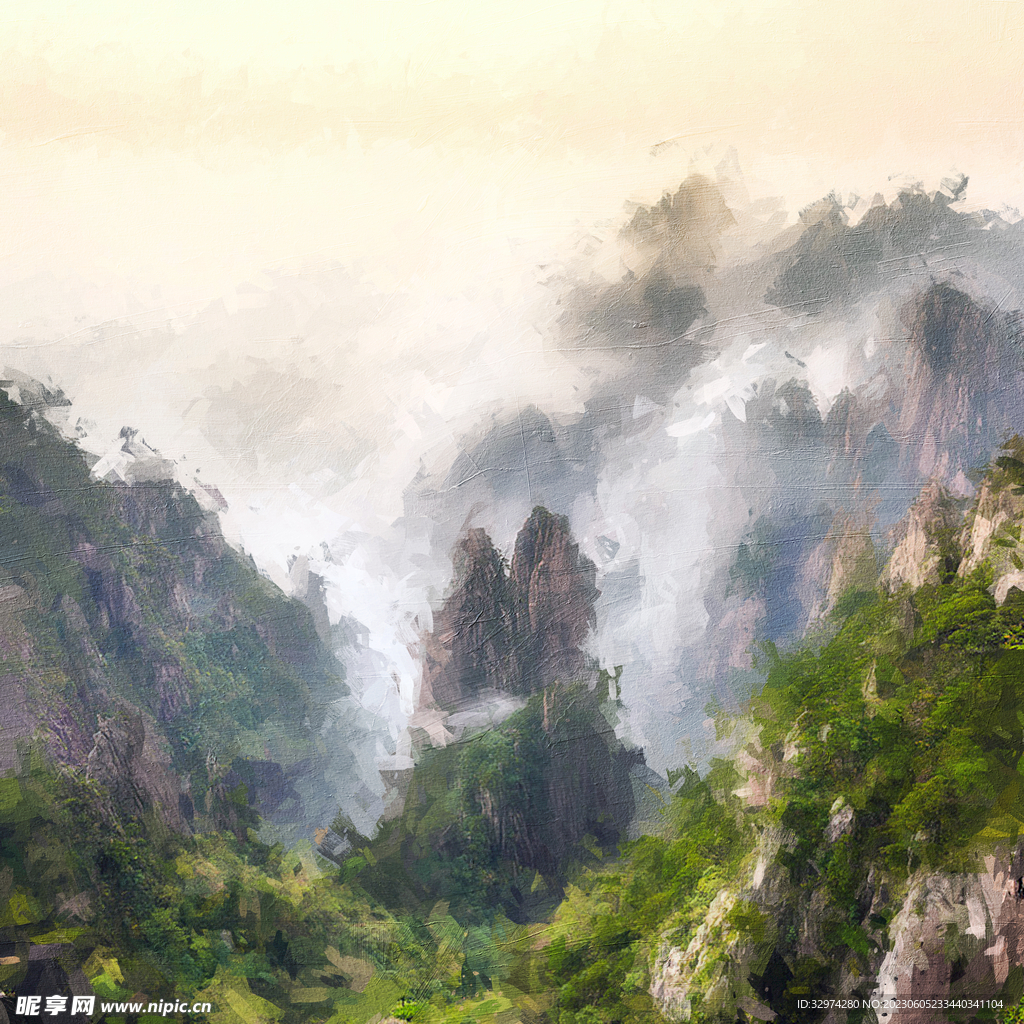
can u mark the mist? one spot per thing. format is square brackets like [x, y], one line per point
[707, 378]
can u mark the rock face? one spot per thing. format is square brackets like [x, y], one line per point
[473, 647]
[992, 533]
[959, 403]
[926, 548]
[967, 928]
[962, 930]
[554, 591]
[845, 560]
[141, 650]
[952, 935]
[723, 967]
[133, 761]
[515, 631]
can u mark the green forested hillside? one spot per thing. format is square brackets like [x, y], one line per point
[887, 754]
[135, 642]
[128, 910]
[160, 696]
[892, 752]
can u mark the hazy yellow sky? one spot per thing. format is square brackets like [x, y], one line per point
[177, 153]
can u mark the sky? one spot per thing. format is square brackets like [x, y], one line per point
[186, 151]
[313, 251]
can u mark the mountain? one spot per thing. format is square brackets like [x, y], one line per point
[142, 650]
[859, 839]
[856, 833]
[527, 794]
[841, 483]
[163, 707]
[864, 839]
[166, 705]
[513, 631]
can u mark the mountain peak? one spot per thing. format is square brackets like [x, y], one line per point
[517, 631]
[555, 588]
[926, 549]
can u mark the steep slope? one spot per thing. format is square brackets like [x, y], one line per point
[927, 548]
[966, 371]
[554, 591]
[146, 652]
[992, 532]
[945, 394]
[157, 696]
[473, 647]
[864, 843]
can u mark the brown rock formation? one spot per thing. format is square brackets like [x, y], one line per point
[554, 588]
[514, 632]
[136, 645]
[473, 644]
[926, 541]
[134, 763]
[957, 404]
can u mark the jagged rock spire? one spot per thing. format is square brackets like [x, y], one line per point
[516, 631]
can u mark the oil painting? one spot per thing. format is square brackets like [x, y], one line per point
[511, 513]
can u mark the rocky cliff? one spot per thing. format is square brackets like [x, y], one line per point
[513, 630]
[554, 591]
[143, 651]
[991, 533]
[927, 542]
[534, 789]
[964, 371]
[944, 397]
[474, 644]
[877, 790]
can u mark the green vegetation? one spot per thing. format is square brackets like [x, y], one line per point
[495, 822]
[912, 716]
[895, 748]
[124, 604]
[504, 892]
[253, 929]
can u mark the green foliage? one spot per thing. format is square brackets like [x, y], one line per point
[912, 729]
[1013, 1014]
[612, 920]
[174, 916]
[498, 821]
[895, 746]
[128, 596]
